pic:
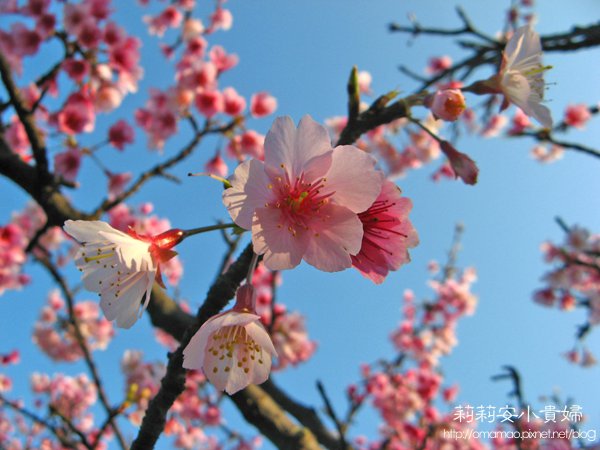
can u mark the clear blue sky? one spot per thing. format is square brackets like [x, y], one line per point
[302, 53]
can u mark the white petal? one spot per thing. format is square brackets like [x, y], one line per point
[86, 230]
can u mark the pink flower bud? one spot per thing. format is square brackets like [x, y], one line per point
[463, 166]
[447, 104]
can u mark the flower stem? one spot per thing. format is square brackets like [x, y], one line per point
[220, 226]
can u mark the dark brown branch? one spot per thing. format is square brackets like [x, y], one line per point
[307, 416]
[260, 410]
[27, 119]
[56, 206]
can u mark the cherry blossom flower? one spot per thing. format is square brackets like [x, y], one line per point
[577, 115]
[67, 163]
[438, 64]
[262, 104]
[521, 77]
[303, 201]
[234, 103]
[120, 267]
[210, 103]
[77, 115]
[216, 166]
[232, 348]
[120, 134]
[117, 183]
[388, 234]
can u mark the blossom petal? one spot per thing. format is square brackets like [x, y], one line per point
[123, 301]
[541, 114]
[86, 230]
[290, 149]
[353, 178]
[257, 332]
[524, 49]
[334, 238]
[242, 198]
[283, 248]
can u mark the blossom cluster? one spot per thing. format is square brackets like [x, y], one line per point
[408, 390]
[199, 67]
[574, 281]
[55, 335]
[16, 236]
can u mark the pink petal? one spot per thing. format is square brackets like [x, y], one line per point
[271, 237]
[249, 190]
[333, 240]
[353, 178]
[294, 149]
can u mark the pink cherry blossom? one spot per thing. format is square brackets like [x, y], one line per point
[302, 202]
[234, 103]
[262, 104]
[77, 115]
[26, 42]
[577, 115]
[16, 136]
[67, 163]
[220, 19]
[217, 166]
[388, 234]
[221, 59]
[120, 134]
[117, 183]
[210, 103]
[232, 348]
[520, 122]
[447, 104]
[439, 64]
[77, 69]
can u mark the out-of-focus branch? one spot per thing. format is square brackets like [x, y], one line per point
[340, 426]
[468, 28]
[157, 170]
[544, 136]
[57, 432]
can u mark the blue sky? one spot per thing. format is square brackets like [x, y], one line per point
[302, 53]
